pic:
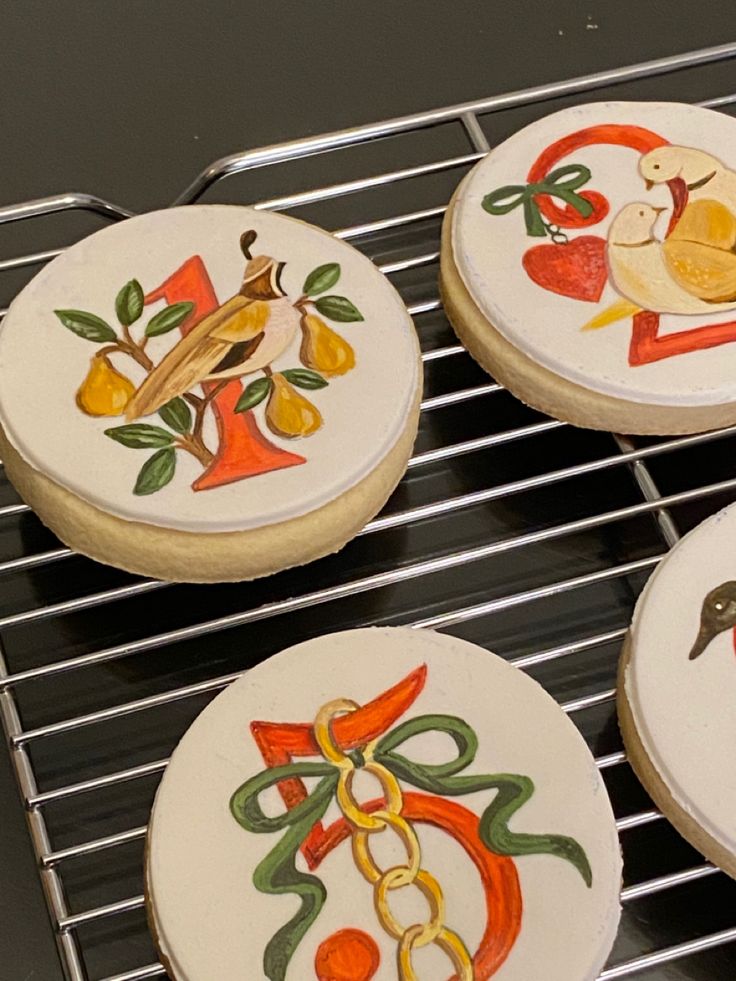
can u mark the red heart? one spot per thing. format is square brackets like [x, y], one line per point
[576, 269]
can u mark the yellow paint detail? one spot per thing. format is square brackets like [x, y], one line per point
[617, 311]
[323, 349]
[708, 222]
[245, 323]
[365, 823]
[288, 413]
[104, 392]
[702, 270]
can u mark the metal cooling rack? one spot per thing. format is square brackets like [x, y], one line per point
[513, 530]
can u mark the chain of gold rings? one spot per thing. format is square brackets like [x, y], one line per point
[365, 824]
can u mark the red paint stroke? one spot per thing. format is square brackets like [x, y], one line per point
[576, 269]
[611, 134]
[347, 955]
[498, 875]
[569, 279]
[648, 346]
[243, 450]
[280, 742]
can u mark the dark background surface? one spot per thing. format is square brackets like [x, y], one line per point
[129, 100]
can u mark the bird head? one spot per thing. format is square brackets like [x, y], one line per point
[718, 614]
[669, 163]
[634, 224]
[262, 277]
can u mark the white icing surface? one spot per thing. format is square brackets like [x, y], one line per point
[682, 708]
[42, 365]
[488, 252]
[211, 921]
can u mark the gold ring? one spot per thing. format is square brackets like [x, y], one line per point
[365, 861]
[432, 891]
[447, 941]
[352, 809]
[323, 730]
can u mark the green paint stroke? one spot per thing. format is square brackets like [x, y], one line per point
[513, 791]
[277, 872]
[561, 183]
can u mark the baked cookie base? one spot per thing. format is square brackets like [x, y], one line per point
[233, 556]
[546, 391]
[654, 784]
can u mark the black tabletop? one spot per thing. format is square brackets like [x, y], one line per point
[129, 100]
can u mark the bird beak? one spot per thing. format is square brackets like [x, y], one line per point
[648, 184]
[659, 210]
[705, 636]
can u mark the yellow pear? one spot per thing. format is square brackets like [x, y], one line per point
[288, 413]
[324, 350]
[104, 392]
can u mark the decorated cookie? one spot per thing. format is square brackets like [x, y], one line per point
[383, 804]
[589, 264]
[208, 393]
[677, 671]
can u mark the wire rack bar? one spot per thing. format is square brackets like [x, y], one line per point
[267, 156]
[69, 921]
[669, 955]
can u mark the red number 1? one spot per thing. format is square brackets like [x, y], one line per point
[243, 450]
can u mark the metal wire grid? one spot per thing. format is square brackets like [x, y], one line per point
[55, 862]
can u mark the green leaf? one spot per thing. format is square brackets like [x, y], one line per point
[87, 325]
[338, 308]
[129, 303]
[304, 378]
[156, 472]
[322, 278]
[169, 318]
[140, 436]
[177, 414]
[253, 394]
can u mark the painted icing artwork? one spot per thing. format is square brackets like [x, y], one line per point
[316, 764]
[717, 614]
[219, 345]
[687, 269]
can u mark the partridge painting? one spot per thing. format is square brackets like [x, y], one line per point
[243, 335]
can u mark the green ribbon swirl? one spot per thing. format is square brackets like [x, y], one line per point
[277, 872]
[560, 183]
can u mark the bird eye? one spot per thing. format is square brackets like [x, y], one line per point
[641, 214]
[655, 166]
[718, 606]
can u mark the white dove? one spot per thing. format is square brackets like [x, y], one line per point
[675, 276]
[710, 213]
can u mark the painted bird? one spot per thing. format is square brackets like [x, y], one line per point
[243, 335]
[679, 275]
[709, 188]
[704, 175]
[717, 614]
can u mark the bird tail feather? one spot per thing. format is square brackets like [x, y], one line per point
[617, 311]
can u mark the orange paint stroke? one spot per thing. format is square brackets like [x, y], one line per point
[347, 955]
[280, 742]
[243, 450]
[648, 346]
[612, 134]
[498, 875]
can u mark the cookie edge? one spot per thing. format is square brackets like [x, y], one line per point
[544, 390]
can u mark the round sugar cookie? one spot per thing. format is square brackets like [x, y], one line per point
[208, 393]
[678, 662]
[588, 263]
[379, 802]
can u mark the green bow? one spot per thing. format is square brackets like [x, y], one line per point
[505, 199]
[278, 874]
